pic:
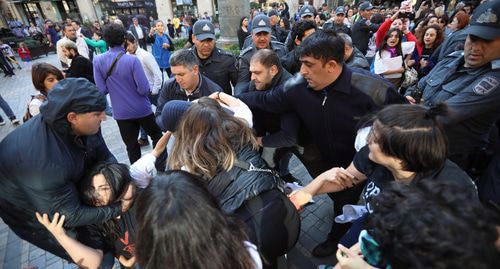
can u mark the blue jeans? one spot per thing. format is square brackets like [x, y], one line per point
[6, 108]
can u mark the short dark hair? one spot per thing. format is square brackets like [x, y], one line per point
[300, 28]
[412, 134]
[130, 37]
[39, 73]
[266, 57]
[324, 45]
[176, 217]
[114, 34]
[77, 22]
[432, 224]
[99, 33]
[184, 58]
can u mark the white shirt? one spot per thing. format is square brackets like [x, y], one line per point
[138, 29]
[83, 49]
[151, 69]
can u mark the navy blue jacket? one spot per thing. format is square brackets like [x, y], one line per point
[332, 114]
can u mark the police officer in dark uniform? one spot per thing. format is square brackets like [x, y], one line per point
[276, 30]
[215, 63]
[469, 82]
[363, 29]
[261, 37]
[338, 24]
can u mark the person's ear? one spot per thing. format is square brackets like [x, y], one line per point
[297, 42]
[196, 69]
[72, 117]
[331, 66]
[274, 70]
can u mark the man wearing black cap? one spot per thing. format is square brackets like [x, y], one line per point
[469, 83]
[337, 23]
[261, 39]
[42, 163]
[215, 63]
[276, 30]
[363, 29]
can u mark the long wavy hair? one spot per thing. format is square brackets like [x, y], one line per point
[383, 45]
[118, 177]
[207, 139]
[182, 226]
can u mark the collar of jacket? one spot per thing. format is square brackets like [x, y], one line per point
[212, 58]
[342, 83]
[196, 91]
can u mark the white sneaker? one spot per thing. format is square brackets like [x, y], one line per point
[15, 121]
[2, 123]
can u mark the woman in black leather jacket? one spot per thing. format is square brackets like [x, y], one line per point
[221, 148]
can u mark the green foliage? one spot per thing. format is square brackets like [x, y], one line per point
[234, 49]
[254, 5]
[31, 43]
[179, 43]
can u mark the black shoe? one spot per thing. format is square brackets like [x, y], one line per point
[325, 248]
[143, 142]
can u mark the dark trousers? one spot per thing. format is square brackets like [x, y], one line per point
[7, 69]
[143, 44]
[129, 130]
[273, 224]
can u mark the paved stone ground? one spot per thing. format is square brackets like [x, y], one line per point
[16, 253]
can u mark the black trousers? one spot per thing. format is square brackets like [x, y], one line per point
[129, 130]
[7, 69]
[143, 44]
[273, 224]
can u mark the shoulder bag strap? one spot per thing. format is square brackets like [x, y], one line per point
[112, 67]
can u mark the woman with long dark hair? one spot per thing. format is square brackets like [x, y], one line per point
[243, 31]
[390, 50]
[108, 184]
[182, 226]
[426, 45]
[222, 149]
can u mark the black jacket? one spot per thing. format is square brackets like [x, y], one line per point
[220, 67]
[244, 185]
[338, 28]
[81, 67]
[172, 91]
[361, 33]
[357, 59]
[43, 161]
[330, 115]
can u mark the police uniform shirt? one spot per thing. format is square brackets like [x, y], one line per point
[472, 96]
[220, 67]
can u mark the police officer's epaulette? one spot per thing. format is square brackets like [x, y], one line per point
[277, 43]
[243, 52]
[455, 54]
[495, 64]
[293, 81]
[224, 52]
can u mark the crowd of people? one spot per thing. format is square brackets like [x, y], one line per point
[393, 111]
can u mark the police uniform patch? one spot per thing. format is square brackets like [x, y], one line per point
[486, 85]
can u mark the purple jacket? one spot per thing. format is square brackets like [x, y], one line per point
[128, 86]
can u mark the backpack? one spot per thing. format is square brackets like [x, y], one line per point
[27, 114]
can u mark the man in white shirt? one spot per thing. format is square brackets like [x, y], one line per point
[139, 32]
[70, 34]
